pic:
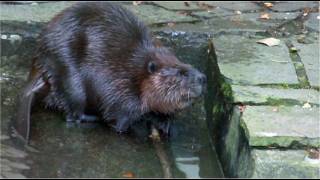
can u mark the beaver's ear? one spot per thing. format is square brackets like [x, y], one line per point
[152, 67]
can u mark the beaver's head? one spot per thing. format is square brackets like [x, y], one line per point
[170, 85]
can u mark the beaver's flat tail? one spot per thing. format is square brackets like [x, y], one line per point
[21, 122]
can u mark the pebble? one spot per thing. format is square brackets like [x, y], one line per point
[3, 36]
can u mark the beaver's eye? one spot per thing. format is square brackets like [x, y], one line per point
[183, 72]
[152, 67]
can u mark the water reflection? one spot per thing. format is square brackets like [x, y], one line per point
[193, 153]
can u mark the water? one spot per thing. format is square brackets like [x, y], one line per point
[62, 150]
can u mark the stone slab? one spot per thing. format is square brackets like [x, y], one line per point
[215, 12]
[235, 6]
[152, 14]
[284, 164]
[43, 12]
[227, 20]
[246, 62]
[282, 126]
[178, 5]
[309, 54]
[265, 95]
[293, 5]
[313, 22]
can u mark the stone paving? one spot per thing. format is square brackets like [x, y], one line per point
[276, 88]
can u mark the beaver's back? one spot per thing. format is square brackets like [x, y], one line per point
[95, 33]
[87, 53]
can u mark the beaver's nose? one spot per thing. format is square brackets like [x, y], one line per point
[201, 78]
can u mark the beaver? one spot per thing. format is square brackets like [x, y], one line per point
[96, 60]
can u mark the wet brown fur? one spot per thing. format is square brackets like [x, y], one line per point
[94, 58]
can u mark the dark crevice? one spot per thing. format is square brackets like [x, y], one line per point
[223, 122]
[298, 65]
[279, 86]
[276, 102]
[162, 24]
[294, 145]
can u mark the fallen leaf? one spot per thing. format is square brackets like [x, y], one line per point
[185, 13]
[265, 16]
[306, 105]
[242, 108]
[204, 5]
[268, 4]
[313, 154]
[128, 174]
[306, 11]
[136, 3]
[269, 41]
[238, 12]
[275, 109]
[171, 24]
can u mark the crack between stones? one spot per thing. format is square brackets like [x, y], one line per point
[286, 102]
[298, 65]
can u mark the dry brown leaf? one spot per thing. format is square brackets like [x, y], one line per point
[306, 11]
[313, 154]
[171, 24]
[185, 13]
[265, 16]
[204, 5]
[269, 41]
[128, 174]
[136, 3]
[268, 4]
[242, 108]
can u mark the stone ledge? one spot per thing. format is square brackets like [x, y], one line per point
[268, 126]
[244, 61]
[271, 96]
[37, 13]
[178, 6]
[45, 11]
[293, 5]
[235, 6]
[284, 164]
[309, 54]
[155, 15]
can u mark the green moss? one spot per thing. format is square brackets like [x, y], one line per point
[284, 142]
[282, 86]
[245, 128]
[300, 70]
[286, 102]
[226, 90]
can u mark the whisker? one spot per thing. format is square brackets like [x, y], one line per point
[188, 94]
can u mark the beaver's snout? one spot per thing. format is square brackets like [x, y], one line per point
[197, 83]
[198, 77]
